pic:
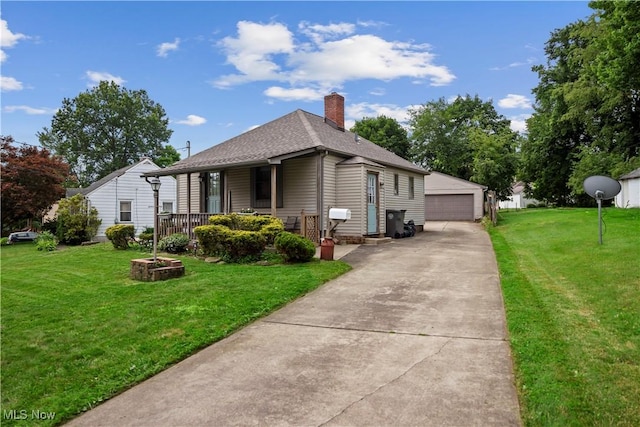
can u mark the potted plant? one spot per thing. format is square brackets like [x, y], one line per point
[164, 215]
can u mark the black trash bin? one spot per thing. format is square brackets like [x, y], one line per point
[395, 223]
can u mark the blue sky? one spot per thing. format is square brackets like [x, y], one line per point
[222, 68]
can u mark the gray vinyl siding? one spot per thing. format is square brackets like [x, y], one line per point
[331, 182]
[351, 185]
[238, 185]
[414, 207]
[300, 187]
[182, 193]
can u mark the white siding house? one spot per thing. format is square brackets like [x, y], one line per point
[123, 197]
[517, 200]
[629, 195]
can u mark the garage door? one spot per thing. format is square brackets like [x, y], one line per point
[448, 207]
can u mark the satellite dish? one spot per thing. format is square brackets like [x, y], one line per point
[601, 188]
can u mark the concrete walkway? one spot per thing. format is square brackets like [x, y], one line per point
[414, 335]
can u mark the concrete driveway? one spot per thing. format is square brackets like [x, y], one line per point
[414, 335]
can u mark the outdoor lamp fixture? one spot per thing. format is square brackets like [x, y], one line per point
[155, 186]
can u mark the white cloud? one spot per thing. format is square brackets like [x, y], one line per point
[8, 39]
[362, 110]
[192, 120]
[300, 94]
[8, 84]
[28, 110]
[334, 55]
[251, 53]
[318, 33]
[519, 123]
[515, 101]
[96, 77]
[163, 49]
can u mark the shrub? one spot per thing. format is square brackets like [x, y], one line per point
[271, 231]
[76, 221]
[244, 246]
[4, 241]
[146, 238]
[174, 244]
[212, 239]
[294, 248]
[120, 235]
[46, 241]
[238, 238]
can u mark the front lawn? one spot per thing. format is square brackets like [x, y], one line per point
[76, 330]
[573, 312]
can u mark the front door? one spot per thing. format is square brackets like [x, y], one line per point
[372, 203]
[214, 193]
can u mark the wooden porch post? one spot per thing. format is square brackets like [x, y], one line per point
[188, 205]
[274, 192]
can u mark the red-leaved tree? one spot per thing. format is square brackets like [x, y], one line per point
[32, 181]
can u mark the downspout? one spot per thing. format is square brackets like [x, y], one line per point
[320, 199]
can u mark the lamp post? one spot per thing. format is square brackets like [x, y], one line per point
[155, 186]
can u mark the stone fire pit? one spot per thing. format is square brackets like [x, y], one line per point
[146, 270]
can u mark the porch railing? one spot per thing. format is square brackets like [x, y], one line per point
[179, 223]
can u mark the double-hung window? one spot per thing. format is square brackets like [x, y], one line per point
[125, 211]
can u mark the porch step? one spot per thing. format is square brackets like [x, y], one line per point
[377, 240]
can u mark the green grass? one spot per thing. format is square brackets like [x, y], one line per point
[76, 330]
[573, 313]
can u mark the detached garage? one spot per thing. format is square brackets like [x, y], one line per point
[448, 198]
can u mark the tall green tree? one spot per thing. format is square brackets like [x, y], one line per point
[386, 132]
[106, 128]
[32, 181]
[465, 138]
[587, 111]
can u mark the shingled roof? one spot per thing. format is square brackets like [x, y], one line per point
[295, 134]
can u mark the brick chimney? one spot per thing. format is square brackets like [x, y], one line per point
[334, 110]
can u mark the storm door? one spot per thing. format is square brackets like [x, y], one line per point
[372, 203]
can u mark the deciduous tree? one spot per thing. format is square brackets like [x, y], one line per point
[466, 138]
[106, 128]
[386, 132]
[32, 181]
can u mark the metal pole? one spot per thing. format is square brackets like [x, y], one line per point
[155, 225]
[600, 219]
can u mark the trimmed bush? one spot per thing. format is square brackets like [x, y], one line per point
[4, 241]
[244, 246]
[46, 241]
[174, 244]
[146, 238]
[120, 235]
[212, 239]
[238, 238]
[271, 230]
[294, 248]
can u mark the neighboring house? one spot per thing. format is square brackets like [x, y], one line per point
[517, 200]
[123, 197]
[448, 198]
[629, 195]
[301, 162]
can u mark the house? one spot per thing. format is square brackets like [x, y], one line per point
[517, 200]
[299, 166]
[123, 197]
[629, 195]
[448, 198]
